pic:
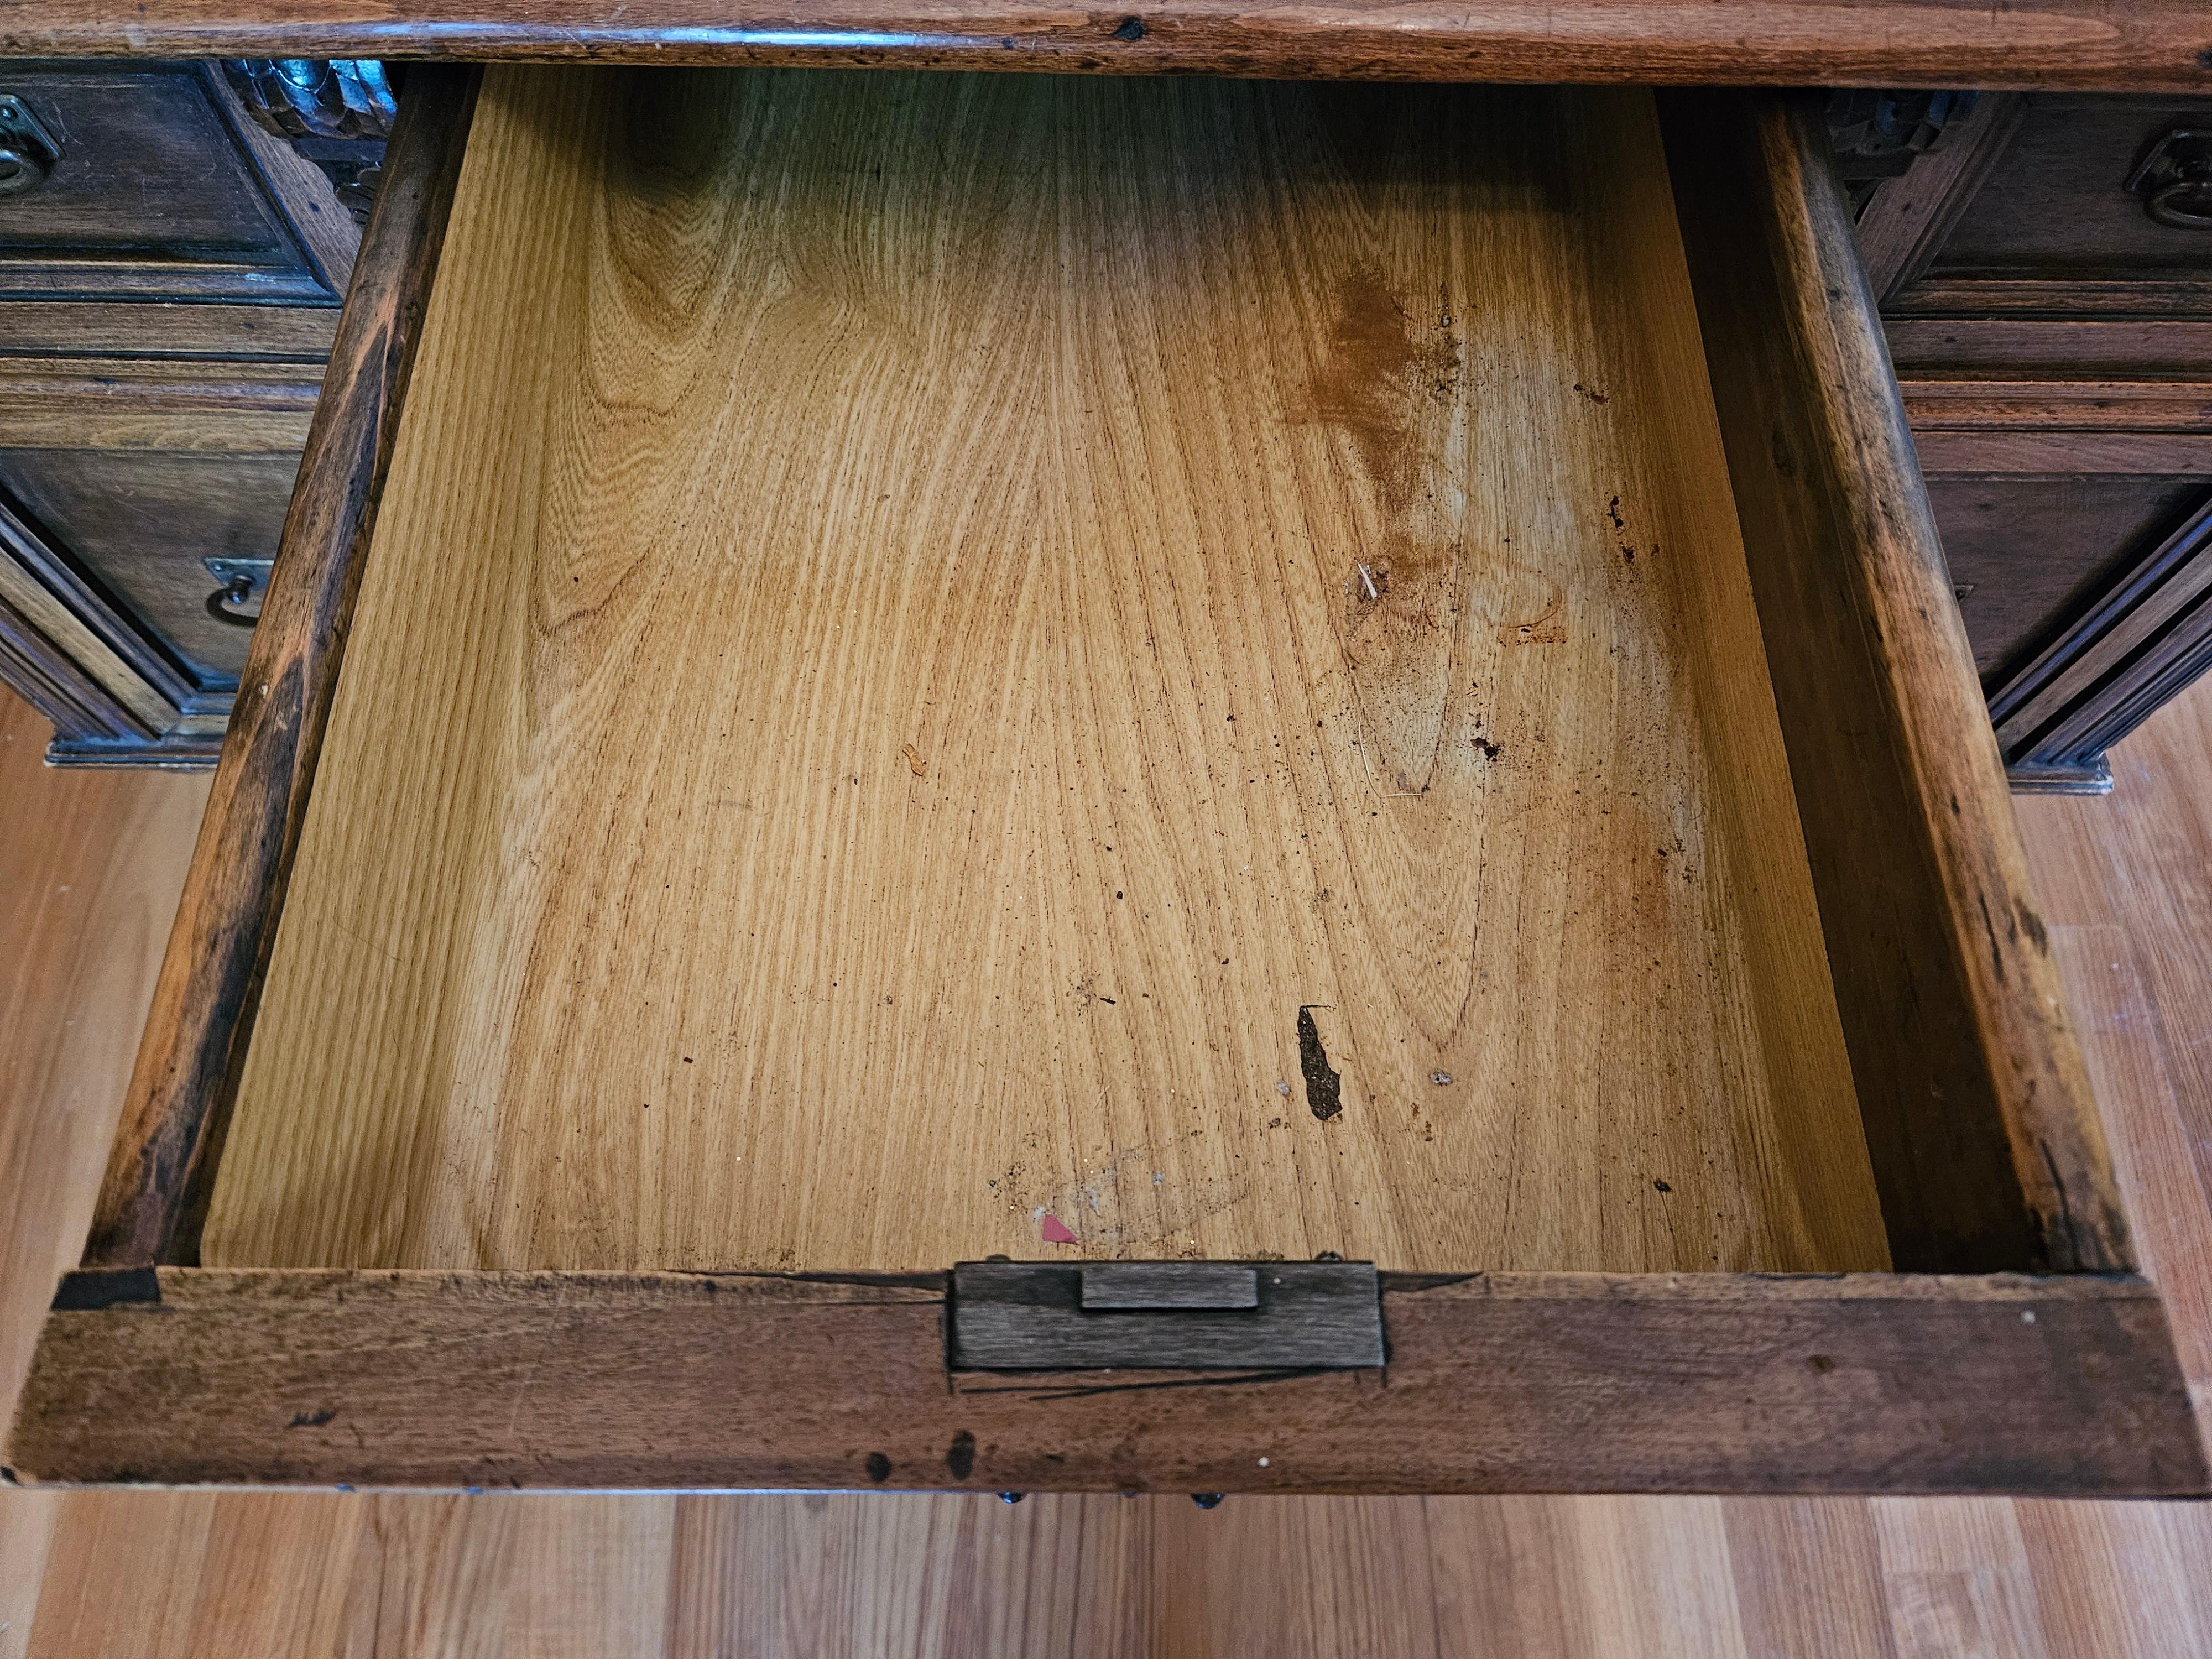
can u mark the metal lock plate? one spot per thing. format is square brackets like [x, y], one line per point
[1165, 1316]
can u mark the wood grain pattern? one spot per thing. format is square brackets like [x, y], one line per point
[2055, 214]
[1959, 1579]
[154, 195]
[2052, 348]
[310, 201]
[159, 328]
[140, 524]
[2067, 454]
[175, 1112]
[2147, 46]
[993, 606]
[1874, 1383]
[2163, 1174]
[2021, 585]
[85, 636]
[1970, 404]
[130, 403]
[2024, 298]
[962, 1575]
[1977, 1107]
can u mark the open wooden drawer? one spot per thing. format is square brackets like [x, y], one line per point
[1094, 671]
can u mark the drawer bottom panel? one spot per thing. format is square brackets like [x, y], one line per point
[961, 665]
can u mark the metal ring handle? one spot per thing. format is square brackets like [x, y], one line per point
[2185, 203]
[237, 592]
[20, 170]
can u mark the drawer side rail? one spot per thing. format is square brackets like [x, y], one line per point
[1982, 1130]
[161, 1169]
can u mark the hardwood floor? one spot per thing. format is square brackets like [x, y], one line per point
[88, 865]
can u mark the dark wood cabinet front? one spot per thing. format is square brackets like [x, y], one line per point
[154, 186]
[2043, 266]
[174, 248]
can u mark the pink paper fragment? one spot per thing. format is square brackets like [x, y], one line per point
[1055, 1231]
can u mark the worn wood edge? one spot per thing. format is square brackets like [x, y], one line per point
[2147, 46]
[47, 615]
[79, 707]
[63, 400]
[1989, 1159]
[2063, 348]
[1522, 1382]
[1977, 404]
[1991, 453]
[161, 1167]
[2175, 299]
[171, 330]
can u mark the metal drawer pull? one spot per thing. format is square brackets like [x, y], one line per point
[27, 150]
[2174, 178]
[238, 601]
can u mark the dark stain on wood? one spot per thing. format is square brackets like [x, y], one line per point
[1324, 1085]
[312, 1420]
[1388, 380]
[880, 1468]
[960, 1456]
[1132, 28]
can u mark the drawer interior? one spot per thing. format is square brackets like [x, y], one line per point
[956, 664]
